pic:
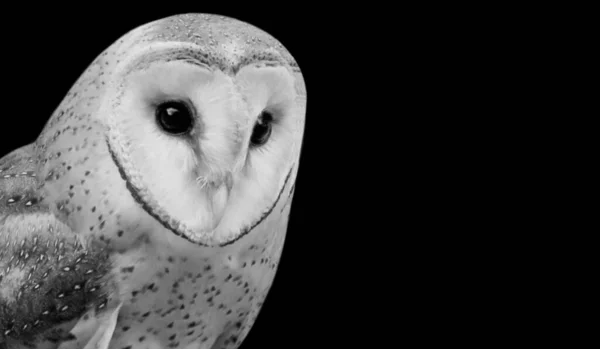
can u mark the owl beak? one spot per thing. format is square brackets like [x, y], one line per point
[219, 193]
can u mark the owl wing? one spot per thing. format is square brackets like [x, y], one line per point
[18, 182]
[51, 279]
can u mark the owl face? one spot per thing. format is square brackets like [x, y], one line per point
[206, 139]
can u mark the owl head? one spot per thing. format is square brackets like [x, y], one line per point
[205, 119]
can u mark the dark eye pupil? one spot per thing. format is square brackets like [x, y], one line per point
[262, 129]
[174, 117]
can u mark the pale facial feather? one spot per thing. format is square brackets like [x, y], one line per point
[227, 109]
[263, 175]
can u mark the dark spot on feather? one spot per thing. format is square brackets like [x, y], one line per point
[127, 269]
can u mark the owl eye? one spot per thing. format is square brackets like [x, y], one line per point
[174, 117]
[262, 129]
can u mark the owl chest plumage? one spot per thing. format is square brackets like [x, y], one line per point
[184, 300]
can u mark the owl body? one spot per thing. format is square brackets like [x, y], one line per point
[118, 232]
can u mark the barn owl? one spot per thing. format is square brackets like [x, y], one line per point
[152, 209]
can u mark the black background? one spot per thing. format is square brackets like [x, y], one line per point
[46, 50]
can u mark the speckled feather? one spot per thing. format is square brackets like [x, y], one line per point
[77, 250]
